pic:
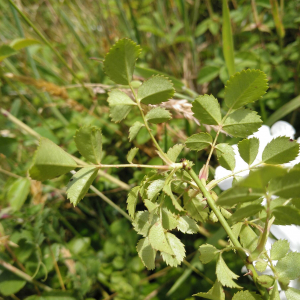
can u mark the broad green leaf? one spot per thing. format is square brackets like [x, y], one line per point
[287, 186]
[142, 223]
[199, 141]
[18, 193]
[80, 183]
[289, 266]
[225, 275]
[279, 249]
[227, 38]
[274, 294]
[155, 90]
[132, 200]
[146, 253]
[237, 195]
[215, 293]
[167, 189]
[187, 225]
[207, 74]
[242, 123]
[88, 141]
[177, 248]
[248, 238]
[10, 283]
[50, 161]
[196, 207]
[207, 253]
[261, 266]
[6, 51]
[131, 154]
[174, 152]
[248, 149]
[226, 156]
[206, 109]
[158, 115]
[119, 62]
[281, 150]
[246, 295]
[169, 220]
[120, 105]
[134, 130]
[155, 187]
[158, 239]
[292, 294]
[245, 212]
[21, 43]
[245, 87]
[286, 215]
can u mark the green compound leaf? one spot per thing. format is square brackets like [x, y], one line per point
[158, 239]
[287, 186]
[246, 295]
[50, 161]
[281, 150]
[169, 220]
[88, 141]
[245, 87]
[215, 293]
[80, 183]
[158, 115]
[174, 152]
[120, 105]
[238, 195]
[245, 212]
[119, 62]
[292, 294]
[248, 149]
[226, 156]
[286, 215]
[146, 253]
[242, 123]
[131, 154]
[134, 130]
[279, 249]
[10, 283]
[187, 225]
[199, 141]
[155, 187]
[225, 275]
[156, 90]
[288, 268]
[206, 109]
[132, 199]
[178, 249]
[207, 253]
[18, 193]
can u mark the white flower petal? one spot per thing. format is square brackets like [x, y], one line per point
[282, 128]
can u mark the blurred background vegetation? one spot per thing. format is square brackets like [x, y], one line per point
[52, 82]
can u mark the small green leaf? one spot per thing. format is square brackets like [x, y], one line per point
[80, 183]
[279, 249]
[289, 266]
[286, 215]
[50, 161]
[245, 212]
[207, 253]
[248, 149]
[158, 115]
[206, 109]
[187, 225]
[237, 195]
[245, 87]
[274, 294]
[207, 74]
[21, 43]
[226, 156]
[280, 150]
[152, 207]
[261, 266]
[120, 105]
[169, 220]
[225, 275]
[134, 130]
[248, 238]
[266, 280]
[156, 90]
[196, 207]
[158, 239]
[132, 200]
[18, 193]
[246, 295]
[292, 294]
[155, 187]
[242, 122]
[167, 189]
[88, 141]
[142, 223]
[119, 62]
[6, 51]
[10, 283]
[146, 253]
[131, 154]
[215, 293]
[199, 141]
[174, 152]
